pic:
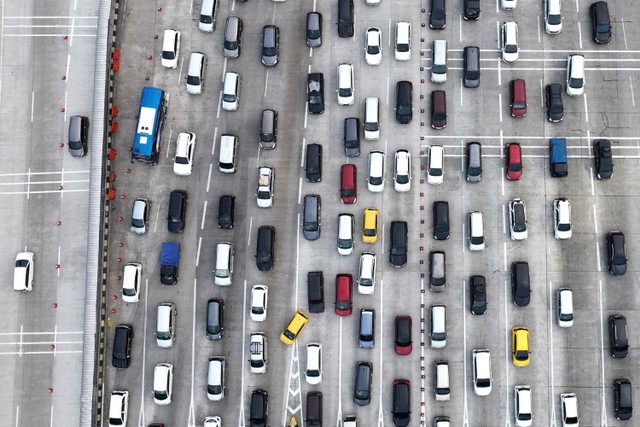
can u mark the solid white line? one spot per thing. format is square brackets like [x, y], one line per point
[463, 237]
[422, 340]
[191, 419]
[42, 173]
[258, 156]
[215, 136]
[71, 33]
[633, 99]
[579, 32]
[504, 222]
[593, 188]
[598, 255]
[314, 5]
[38, 353]
[204, 215]
[506, 354]
[595, 219]
[55, 339]
[32, 104]
[266, 83]
[58, 182]
[541, 94]
[224, 69]
[249, 233]
[168, 150]
[299, 189]
[504, 255]
[304, 149]
[381, 322]
[47, 35]
[586, 110]
[65, 106]
[59, 262]
[523, 137]
[465, 411]
[624, 34]
[209, 176]
[551, 347]
[40, 333]
[310, 52]
[297, 262]
[461, 93]
[460, 28]
[603, 413]
[354, 27]
[306, 114]
[155, 226]
[497, 7]
[498, 34]
[244, 346]
[144, 352]
[198, 251]
[18, 406]
[389, 32]
[51, 417]
[219, 105]
[500, 105]
[30, 17]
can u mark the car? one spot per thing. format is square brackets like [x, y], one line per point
[471, 10]
[351, 140]
[402, 171]
[231, 47]
[520, 284]
[131, 279]
[349, 421]
[295, 326]
[475, 234]
[270, 45]
[216, 378]
[478, 294]
[403, 41]
[313, 163]
[367, 273]
[403, 342]
[564, 304]
[552, 17]
[196, 72]
[437, 271]
[437, 15]
[23, 272]
[215, 319]
[600, 22]
[185, 146]
[520, 353]
[522, 406]
[514, 162]
[258, 353]
[258, 408]
[212, 421]
[618, 334]
[562, 219]
[471, 67]
[313, 371]
[348, 184]
[370, 225]
[373, 46]
[518, 98]
[315, 291]
[509, 37]
[401, 406]
[315, 93]
[441, 220]
[553, 101]
[362, 386]
[266, 183]
[226, 211]
[617, 253]
[314, 29]
[623, 405]
[366, 335]
[345, 18]
[518, 219]
[575, 76]
[140, 216]
[162, 383]
[602, 158]
[265, 248]
[404, 103]
[375, 182]
[170, 49]
[399, 242]
[344, 303]
[345, 84]
[78, 137]
[259, 303]
[268, 138]
[482, 375]
[569, 408]
[346, 228]
[118, 408]
[121, 355]
[438, 109]
[177, 211]
[474, 162]
[441, 421]
[508, 4]
[312, 217]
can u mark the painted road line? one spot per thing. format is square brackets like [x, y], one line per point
[204, 215]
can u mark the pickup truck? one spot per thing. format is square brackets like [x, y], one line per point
[169, 261]
[558, 157]
[266, 176]
[315, 93]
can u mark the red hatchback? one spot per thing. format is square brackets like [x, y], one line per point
[348, 184]
[403, 335]
[514, 162]
[343, 294]
[518, 98]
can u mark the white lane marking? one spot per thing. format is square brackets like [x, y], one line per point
[299, 189]
[204, 215]
[460, 28]
[633, 99]
[65, 106]
[500, 105]
[538, 27]
[62, 182]
[603, 409]
[20, 347]
[579, 33]
[586, 110]
[387, 90]
[304, 149]
[198, 252]
[297, 261]
[577, 6]
[624, 33]
[381, 322]
[598, 255]
[464, 241]
[389, 32]
[354, 27]
[219, 105]
[258, 156]
[541, 94]
[306, 114]
[465, 411]
[498, 34]
[18, 407]
[593, 187]
[32, 104]
[144, 352]
[504, 254]
[241, 416]
[2, 59]
[461, 98]
[551, 346]
[215, 138]
[209, 176]
[224, 69]
[595, 219]
[155, 225]
[497, 6]
[266, 83]
[422, 358]
[314, 5]
[310, 52]
[507, 353]
[504, 222]
[340, 376]
[168, 150]
[192, 413]
[249, 233]
[51, 417]
[55, 339]
[233, 5]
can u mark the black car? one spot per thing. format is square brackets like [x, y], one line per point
[401, 408]
[215, 319]
[314, 29]
[437, 16]
[600, 22]
[315, 93]
[520, 285]
[351, 140]
[258, 408]
[362, 387]
[478, 295]
[177, 211]
[603, 159]
[403, 340]
[226, 211]
[437, 271]
[121, 356]
[313, 165]
[345, 18]
[441, 220]
[617, 252]
[404, 103]
[622, 399]
[315, 291]
[265, 248]
[471, 9]
[619, 336]
[553, 100]
[398, 251]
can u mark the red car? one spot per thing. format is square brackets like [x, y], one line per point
[343, 294]
[403, 335]
[518, 98]
[514, 162]
[348, 184]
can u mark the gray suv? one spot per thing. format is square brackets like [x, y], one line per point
[270, 43]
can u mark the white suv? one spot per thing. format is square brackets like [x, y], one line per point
[131, 282]
[375, 182]
[522, 406]
[259, 298]
[569, 406]
[562, 219]
[345, 84]
[118, 408]
[402, 171]
[482, 378]
[509, 42]
[185, 146]
[162, 383]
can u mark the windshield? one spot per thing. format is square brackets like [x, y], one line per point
[439, 117]
[182, 160]
[269, 51]
[345, 243]
[602, 28]
[193, 80]
[439, 69]
[167, 54]
[264, 195]
[214, 389]
[515, 167]
[370, 232]
[213, 329]
[373, 49]
[404, 110]
[129, 292]
[206, 19]
[473, 75]
[435, 172]
[163, 335]
[402, 47]
[310, 226]
[266, 137]
[229, 97]
[554, 19]
[160, 394]
[375, 180]
[519, 105]
[511, 48]
[371, 126]
[222, 273]
[343, 305]
[313, 34]
[315, 99]
[402, 179]
[575, 83]
[344, 92]
[230, 45]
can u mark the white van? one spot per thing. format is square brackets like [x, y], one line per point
[166, 324]
[482, 378]
[565, 307]
[509, 42]
[439, 61]
[23, 272]
[196, 72]
[443, 391]
[131, 279]
[367, 273]
[231, 91]
[313, 373]
[345, 84]
[345, 234]
[438, 332]
[227, 159]
[403, 41]
[435, 165]
[476, 231]
[575, 75]
[208, 11]
[371, 118]
[215, 378]
[224, 264]
[375, 182]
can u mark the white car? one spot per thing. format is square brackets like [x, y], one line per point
[185, 146]
[265, 187]
[212, 421]
[509, 42]
[375, 182]
[345, 84]
[562, 219]
[118, 408]
[522, 406]
[482, 377]
[518, 219]
[196, 72]
[403, 41]
[131, 282]
[162, 383]
[569, 407]
[259, 302]
[373, 46]
[367, 273]
[508, 4]
[23, 272]
[170, 48]
[552, 17]
[258, 353]
[402, 171]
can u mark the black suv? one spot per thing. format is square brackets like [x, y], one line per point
[603, 159]
[398, 251]
[362, 388]
[313, 167]
[401, 408]
[345, 18]
[617, 252]
[478, 295]
[177, 211]
[265, 248]
[471, 9]
[315, 291]
[226, 211]
[258, 408]
[520, 285]
[404, 103]
[315, 93]
[441, 220]
[437, 15]
[215, 319]
[121, 356]
[619, 336]
[622, 399]
[600, 23]
[553, 100]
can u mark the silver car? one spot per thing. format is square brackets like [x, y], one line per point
[140, 216]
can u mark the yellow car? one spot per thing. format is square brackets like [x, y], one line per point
[520, 346]
[294, 327]
[370, 225]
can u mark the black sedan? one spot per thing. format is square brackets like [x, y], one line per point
[603, 159]
[478, 295]
[617, 252]
[553, 98]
